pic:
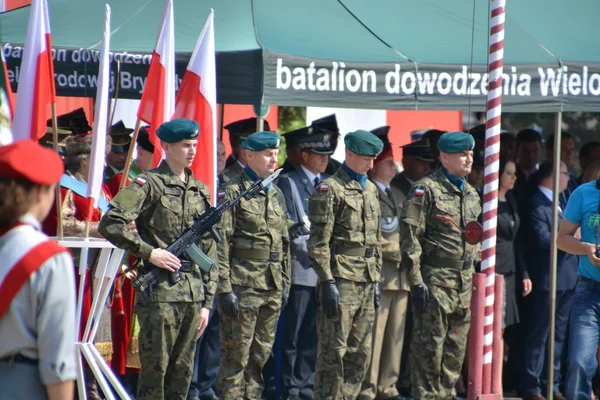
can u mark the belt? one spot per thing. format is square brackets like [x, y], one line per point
[588, 280]
[366, 252]
[443, 263]
[256, 254]
[19, 358]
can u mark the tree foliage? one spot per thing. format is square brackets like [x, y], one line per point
[290, 118]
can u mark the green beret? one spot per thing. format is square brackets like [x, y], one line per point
[260, 141]
[455, 142]
[363, 143]
[177, 130]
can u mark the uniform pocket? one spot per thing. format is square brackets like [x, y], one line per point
[167, 214]
[352, 212]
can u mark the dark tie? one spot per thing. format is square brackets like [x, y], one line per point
[316, 181]
[389, 194]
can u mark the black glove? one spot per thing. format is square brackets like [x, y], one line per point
[229, 304]
[419, 294]
[331, 298]
[377, 295]
[285, 295]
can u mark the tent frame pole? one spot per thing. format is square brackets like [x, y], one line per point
[556, 175]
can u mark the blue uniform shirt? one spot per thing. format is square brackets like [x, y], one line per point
[582, 209]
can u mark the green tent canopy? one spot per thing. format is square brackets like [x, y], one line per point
[382, 54]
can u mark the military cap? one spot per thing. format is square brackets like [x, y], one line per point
[382, 133]
[260, 141]
[48, 141]
[421, 150]
[43, 166]
[245, 127]
[121, 140]
[177, 130]
[326, 124]
[143, 140]
[292, 138]
[74, 121]
[363, 143]
[318, 143]
[455, 142]
[417, 134]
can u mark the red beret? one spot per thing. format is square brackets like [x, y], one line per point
[29, 161]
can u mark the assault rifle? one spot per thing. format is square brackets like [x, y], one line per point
[185, 245]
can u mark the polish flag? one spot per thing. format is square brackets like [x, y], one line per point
[95, 176]
[158, 100]
[197, 100]
[9, 5]
[36, 89]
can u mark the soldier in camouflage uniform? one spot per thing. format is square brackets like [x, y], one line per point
[238, 132]
[439, 263]
[254, 276]
[163, 202]
[345, 251]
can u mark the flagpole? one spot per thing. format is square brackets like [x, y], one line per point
[58, 197]
[128, 161]
[221, 120]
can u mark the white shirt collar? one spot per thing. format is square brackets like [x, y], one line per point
[29, 219]
[381, 186]
[548, 193]
[310, 175]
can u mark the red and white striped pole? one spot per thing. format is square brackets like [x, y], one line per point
[490, 190]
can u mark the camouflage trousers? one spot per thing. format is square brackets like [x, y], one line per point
[246, 342]
[439, 341]
[344, 342]
[167, 344]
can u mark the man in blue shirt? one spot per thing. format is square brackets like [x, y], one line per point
[582, 214]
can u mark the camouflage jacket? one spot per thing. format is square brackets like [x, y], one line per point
[346, 219]
[392, 277]
[162, 207]
[255, 249]
[433, 249]
[231, 172]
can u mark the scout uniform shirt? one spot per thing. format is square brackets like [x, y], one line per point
[346, 219]
[433, 249]
[257, 231]
[162, 207]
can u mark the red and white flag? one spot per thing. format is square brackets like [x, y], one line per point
[197, 100]
[95, 177]
[158, 100]
[9, 5]
[36, 89]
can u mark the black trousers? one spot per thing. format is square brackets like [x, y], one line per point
[206, 360]
[299, 343]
